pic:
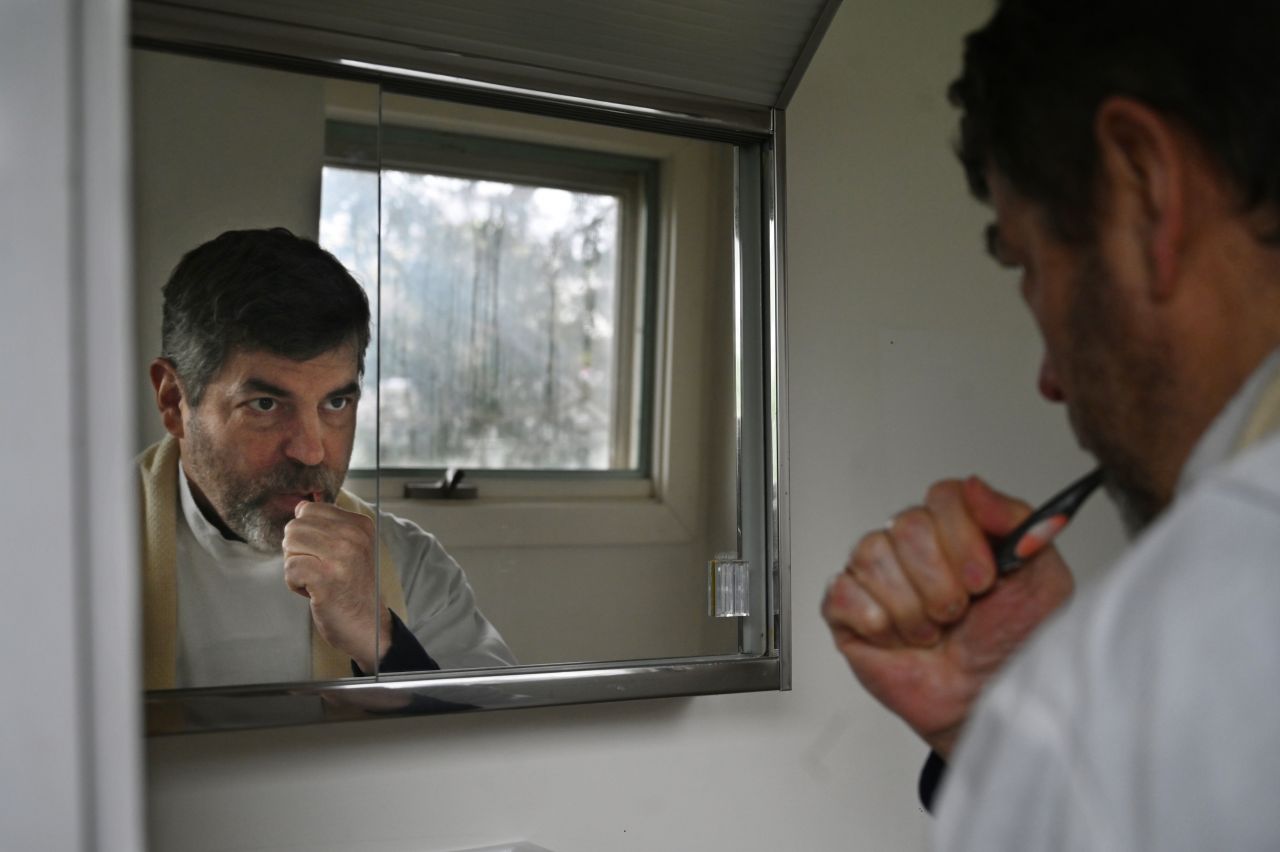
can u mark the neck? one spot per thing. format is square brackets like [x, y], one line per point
[1220, 333]
[206, 506]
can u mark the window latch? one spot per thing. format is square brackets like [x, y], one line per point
[450, 487]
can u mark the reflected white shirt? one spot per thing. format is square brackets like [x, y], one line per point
[238, 623]
[1144, 716]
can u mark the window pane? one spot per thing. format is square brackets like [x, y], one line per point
[349, 229]
[498, 324]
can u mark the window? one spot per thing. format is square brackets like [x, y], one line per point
[512, 290]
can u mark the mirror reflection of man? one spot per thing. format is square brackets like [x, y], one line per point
[1131, 152]
[258, 566]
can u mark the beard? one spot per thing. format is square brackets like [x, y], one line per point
[242, 501]
[1122, 393]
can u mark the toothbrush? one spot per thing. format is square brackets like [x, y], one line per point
[1043, 525]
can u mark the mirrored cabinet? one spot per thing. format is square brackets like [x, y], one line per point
[570, 432]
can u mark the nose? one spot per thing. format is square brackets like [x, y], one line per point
[305, 443]
[1050, 388]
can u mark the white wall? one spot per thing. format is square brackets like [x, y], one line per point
[910, 359]
[70, 764]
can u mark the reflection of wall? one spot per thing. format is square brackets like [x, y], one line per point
[214, 146]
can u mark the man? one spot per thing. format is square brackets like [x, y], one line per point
[1131, 152]
[258, 566]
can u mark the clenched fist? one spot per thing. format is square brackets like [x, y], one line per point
[920, 614]
[329, 557]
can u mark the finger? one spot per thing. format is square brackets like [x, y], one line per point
[853, 614]
[306, 537]
[971, 567]
[327, 514]
[917, 535]
[327, 533]
[320, 509]
[330, 516]
[995, 512]
[876, 567]
[302, 573]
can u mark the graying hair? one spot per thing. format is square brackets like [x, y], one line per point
[258, 290]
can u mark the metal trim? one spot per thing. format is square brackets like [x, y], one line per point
[751, 176]
[816, 35]
[406, 70]
[780, 513]
[184, 711]
[766, 669]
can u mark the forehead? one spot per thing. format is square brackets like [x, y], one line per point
[323, 373]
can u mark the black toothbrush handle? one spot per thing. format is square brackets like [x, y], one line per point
[1041, 526]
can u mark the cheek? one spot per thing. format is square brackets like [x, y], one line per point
[254, 451]
[338, 443]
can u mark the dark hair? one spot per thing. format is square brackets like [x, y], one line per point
[1035, 75]
[260, 289]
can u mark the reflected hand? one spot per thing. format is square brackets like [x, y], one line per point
[920, 614]
[329, 558]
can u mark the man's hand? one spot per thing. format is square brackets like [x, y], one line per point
[920, 614]
[329, 558]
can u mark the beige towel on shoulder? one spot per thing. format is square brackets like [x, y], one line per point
[158, 471]
[1265, 417]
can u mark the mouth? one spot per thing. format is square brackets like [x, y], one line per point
[288, 502]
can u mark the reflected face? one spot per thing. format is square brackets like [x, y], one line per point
[269, 433]
[1099, 358]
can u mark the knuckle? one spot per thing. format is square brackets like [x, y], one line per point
[948, 606]
[871, 622]
[913, 523]
[871, 551]
[849, 607]
[856, 609]
[296, 570]
[868, 568]
[942, 491]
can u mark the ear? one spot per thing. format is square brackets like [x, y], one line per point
[1144, 163]
[169, 395]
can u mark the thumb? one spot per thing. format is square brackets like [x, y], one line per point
[995, 512]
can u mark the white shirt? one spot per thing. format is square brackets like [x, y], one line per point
[238, 623]
[1146, 715]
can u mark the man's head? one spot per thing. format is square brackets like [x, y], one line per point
[263, 346]
[1128, 147]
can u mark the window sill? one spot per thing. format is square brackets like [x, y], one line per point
[541, 513]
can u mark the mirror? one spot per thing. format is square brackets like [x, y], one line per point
[574, 314]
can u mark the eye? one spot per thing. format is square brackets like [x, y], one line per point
[338, 403]
[263, 404]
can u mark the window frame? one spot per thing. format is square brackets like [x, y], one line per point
[635, 181]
